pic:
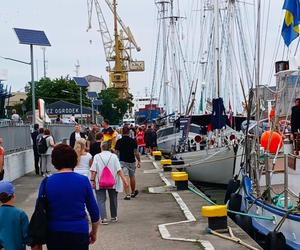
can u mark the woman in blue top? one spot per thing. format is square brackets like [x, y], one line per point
[68, 194]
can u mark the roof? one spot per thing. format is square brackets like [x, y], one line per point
[91, 78]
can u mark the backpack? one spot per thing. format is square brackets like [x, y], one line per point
[38, 226]
[42, 146]
[106, 179]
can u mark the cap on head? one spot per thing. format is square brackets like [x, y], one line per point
[7, 187]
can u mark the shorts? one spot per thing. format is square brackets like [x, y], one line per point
[128, 168]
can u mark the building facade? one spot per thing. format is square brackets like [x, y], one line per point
[96, 84]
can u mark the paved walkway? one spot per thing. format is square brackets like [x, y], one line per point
[139, 218]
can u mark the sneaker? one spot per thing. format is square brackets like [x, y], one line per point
[104, 222]
[135, 193]
[127, 197]
[114, 220]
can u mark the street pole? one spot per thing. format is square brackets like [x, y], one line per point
[93, 110]
[44, 61]
[80, 105]
[32, 84]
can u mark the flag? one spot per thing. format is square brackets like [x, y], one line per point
[290, 27]
[230, 115]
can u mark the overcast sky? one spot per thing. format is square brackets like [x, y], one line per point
[65, 23]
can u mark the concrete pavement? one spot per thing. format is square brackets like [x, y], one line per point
[139, 218]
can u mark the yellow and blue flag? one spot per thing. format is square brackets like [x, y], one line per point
[290, 27]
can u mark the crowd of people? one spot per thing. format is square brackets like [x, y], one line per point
[100, 159]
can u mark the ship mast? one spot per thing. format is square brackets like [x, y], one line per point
[217, 49]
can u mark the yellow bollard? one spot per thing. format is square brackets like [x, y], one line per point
[157, 155]
[217, 216]
[181, 180]
[166, 163]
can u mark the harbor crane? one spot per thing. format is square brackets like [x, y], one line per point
[118, 51]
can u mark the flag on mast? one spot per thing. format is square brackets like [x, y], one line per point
[290, 27]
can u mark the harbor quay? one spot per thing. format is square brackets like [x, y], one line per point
[160, 217]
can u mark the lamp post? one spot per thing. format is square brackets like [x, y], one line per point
[82, 83]
[31, 37]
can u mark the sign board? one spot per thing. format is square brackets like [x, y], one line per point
[41, 108]
[137, 66]
[65, 108]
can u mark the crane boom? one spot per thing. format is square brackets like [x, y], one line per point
[117, 49]
[124, 27]
[104, 31]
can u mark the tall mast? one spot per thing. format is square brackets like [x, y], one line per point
[165, 44]
[257, 83]
[217, 49]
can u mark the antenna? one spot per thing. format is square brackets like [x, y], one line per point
[77, 67]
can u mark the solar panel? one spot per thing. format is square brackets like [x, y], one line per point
[81, 81]
[97, 102]
[34, 37]
[92, 95]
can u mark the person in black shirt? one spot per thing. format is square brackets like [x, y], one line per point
[295, 118]
[150, 138]
[126, 148]
[77, 134]
[36, 155]
[95, 147]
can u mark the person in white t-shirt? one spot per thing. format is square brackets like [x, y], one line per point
[106, 158]
[84, 159]
[15, 117]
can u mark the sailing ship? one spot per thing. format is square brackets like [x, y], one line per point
[209, 156]
[269, 191]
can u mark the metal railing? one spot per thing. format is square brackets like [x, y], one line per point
[15, 138]
[18, 137]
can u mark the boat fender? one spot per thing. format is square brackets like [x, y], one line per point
[232, 187]
[276, 241]
[245, 222]
[235, 202]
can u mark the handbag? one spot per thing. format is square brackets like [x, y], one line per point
[106, 179]
[38, 226]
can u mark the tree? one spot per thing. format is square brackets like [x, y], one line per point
[62, 88]
[113, 108]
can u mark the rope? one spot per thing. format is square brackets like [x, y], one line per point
[203, 196]
[232, 238]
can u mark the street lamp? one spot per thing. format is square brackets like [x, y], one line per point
[82, 83]
[31, 37]
[92, 96]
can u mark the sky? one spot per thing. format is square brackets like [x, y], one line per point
[65, 23]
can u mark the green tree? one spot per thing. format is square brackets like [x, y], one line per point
[50, 91]
[112, 107]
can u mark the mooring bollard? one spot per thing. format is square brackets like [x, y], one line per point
[181, 180]
[217, 216]
[157, 155]
[166, 163]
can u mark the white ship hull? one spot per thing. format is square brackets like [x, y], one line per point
[216, 166]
